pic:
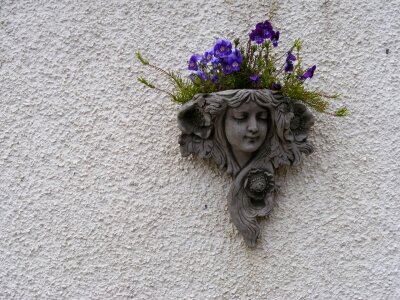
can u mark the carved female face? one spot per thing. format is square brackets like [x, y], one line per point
[246, 127]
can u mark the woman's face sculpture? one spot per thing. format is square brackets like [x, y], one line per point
[246, 128]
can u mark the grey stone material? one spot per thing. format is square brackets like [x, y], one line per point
[249, 134]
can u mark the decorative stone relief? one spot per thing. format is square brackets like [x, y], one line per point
[248, 133]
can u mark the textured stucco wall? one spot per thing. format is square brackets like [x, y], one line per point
[96, 202]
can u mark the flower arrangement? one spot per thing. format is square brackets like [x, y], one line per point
[230, 66]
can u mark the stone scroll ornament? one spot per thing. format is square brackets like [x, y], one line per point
[248, 109]
[248, 133]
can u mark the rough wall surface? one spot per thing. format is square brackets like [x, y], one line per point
[96, 202]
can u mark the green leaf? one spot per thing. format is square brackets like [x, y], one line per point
[297, 44]
[342, 112]
[146, 83]
[141, 59]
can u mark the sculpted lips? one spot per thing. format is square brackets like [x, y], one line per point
[251, 139]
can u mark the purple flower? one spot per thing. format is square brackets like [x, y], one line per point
[215, 62]
[193, 62]
[276, 86]
[238, 54]
[214, 78]
[308, 74]
[288, 67]
[275, 38]
[208, 55]
[202, 75]
[288, 64]
[222, 48]
[255, 78]
[262, 32]
[233, 60]
[267, 26]
[227, 68]
[290, 56]
[257, 35]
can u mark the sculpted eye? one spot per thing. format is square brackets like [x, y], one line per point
[240, 116]
[262, 115]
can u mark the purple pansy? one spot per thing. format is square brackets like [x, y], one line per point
[268, 31]
[276, 86]
[215, 63]
[222, 48]
[227, 68]
[288, 67]
[193, 63]
[289, 62]
[214, 78]
[309, 73]
[208, 55]
[262, 32]
[202, 75]
[235, 60]
[255, 78]
[290, 56]
[232, 62]
[275, 38]
[257, 35]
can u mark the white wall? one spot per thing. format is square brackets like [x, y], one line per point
[96, 202]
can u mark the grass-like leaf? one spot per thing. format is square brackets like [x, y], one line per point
[342, 112]
[141, 59]
[146, 83]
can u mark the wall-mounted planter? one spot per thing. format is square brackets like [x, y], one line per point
[249, 133]
[239, 118]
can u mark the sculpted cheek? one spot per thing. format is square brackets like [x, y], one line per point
[263, 129]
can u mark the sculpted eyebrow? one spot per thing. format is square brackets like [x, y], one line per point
[239, 112]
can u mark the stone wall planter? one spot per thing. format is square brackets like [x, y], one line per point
[244, 107]
[248, 133]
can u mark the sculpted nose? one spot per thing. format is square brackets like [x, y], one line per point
[252, 126]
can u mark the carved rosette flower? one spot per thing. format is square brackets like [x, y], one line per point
[301, 122]
[196, 127]
[258, 184]
[193, 120]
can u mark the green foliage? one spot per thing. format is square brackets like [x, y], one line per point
[294, 89]
[184, 89]
[236, 42]
[141, 59]
[297, 45]
[342, 112]
[145, 82]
